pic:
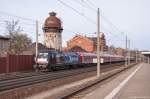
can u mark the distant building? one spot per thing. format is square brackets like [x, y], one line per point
[52, 32]
[4, 45]
[120, 51]
[86, 44]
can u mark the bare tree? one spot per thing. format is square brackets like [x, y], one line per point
[18, 41]
[12, 27]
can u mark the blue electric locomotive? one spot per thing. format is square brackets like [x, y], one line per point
[53, 60]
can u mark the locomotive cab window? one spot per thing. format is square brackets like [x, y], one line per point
[43, 55]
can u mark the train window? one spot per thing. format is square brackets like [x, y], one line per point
[43, 55]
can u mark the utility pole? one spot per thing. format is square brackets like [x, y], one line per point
[129, 52]
[36, 38]
[98, 43]
[136, 56]
[126, 54]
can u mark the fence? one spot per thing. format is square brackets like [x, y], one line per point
[3, 64]
[16, 63]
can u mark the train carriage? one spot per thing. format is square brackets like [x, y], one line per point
[53, 60]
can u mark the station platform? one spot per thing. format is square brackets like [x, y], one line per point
[131, 84]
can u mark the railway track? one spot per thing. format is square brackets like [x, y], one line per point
[33, 78]
[17, 75]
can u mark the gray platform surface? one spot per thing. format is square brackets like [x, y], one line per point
[136, 87]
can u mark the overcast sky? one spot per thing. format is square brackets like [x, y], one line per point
[129, 16]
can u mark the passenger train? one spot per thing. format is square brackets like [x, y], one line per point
[51, 60]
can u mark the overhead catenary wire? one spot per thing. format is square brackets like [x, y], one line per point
[87, 5]
[25, 27]
[23, 18]
[111, 23]
[91, 8]
[19, 18]
[27, 24]
[80, 13]
[106, 19]
[102, 15]
[92, 3]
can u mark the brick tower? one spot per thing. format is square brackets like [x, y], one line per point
[103, 46]
[52, 32]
